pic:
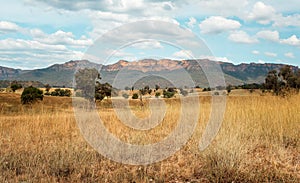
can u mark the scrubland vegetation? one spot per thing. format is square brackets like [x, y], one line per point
[258, 142]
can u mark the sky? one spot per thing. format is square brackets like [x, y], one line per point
[37, 34]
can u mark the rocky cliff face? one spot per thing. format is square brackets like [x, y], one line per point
[71, 65]
[146, 65]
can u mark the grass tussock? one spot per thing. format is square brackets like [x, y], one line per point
[258, 142]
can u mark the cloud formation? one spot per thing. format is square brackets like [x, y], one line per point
[8, 27]
[242, 37]
[269, 35]
[218, 24]
[234, 29]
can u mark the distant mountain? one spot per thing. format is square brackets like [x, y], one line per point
[151, 72]
[55, 75]
[9, 73]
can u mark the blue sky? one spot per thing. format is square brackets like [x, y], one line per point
[36, 33]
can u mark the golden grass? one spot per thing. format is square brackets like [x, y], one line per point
[258, 142]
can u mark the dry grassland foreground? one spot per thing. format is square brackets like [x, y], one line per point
[258, 142]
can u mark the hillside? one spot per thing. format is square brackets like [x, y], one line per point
[152, 71]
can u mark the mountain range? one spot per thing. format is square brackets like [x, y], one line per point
[149, 72]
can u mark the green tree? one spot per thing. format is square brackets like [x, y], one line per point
[31, 95]
[272, 82]
[85, 82]
[15, 86]
[157, 94]
[297, 82]
[104, 90]
[169, 93]
[135, 96]
[157, 87]
[285, 72]
[47, 89]
[228, 88]
[61, 92]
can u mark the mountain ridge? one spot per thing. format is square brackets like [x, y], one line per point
[62, 74]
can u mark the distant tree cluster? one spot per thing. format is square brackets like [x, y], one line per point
[169, 93]
[15, 85]
[280, 82]
[88, 83]
[61, 92]
[206, 89]
[135, 96]
[24, 84]
[104, 90]
[157, 94]
[47, 88]
[31, 95]
[145, 90]
[283, 81]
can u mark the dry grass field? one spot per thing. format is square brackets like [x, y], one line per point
[259, 141]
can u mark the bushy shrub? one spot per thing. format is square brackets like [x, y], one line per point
[99, 96]
[31, 95]
[216, 93]
[135, 96]
[157, 94]
[61, 92]
[168, 94]
[15, 86]
[206, 89]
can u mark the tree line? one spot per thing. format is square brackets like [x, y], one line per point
[88, 85]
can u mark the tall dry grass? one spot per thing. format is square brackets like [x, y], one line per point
[258, 142]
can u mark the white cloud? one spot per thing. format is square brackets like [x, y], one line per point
[191, 23]
[20, 44]
[285, 21]
[6, 27]
[183, 54]
[214, 58]
[289, 55]
[261, 61]
[218, 24]
[226, 8]
[113, 20]
[60, 38]
[30, 53]
[274, 36]
[270, 54]
[121, 53]
[262, 13]
[292, 41]
[94, 18]
[242, 37]
[148, 44]
[110, 16]
[137, 8]
[255, 52]
[269, 35]
[289, 6]
[266, 14]
[148, 31]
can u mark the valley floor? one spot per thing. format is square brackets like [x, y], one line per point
[258, 142]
